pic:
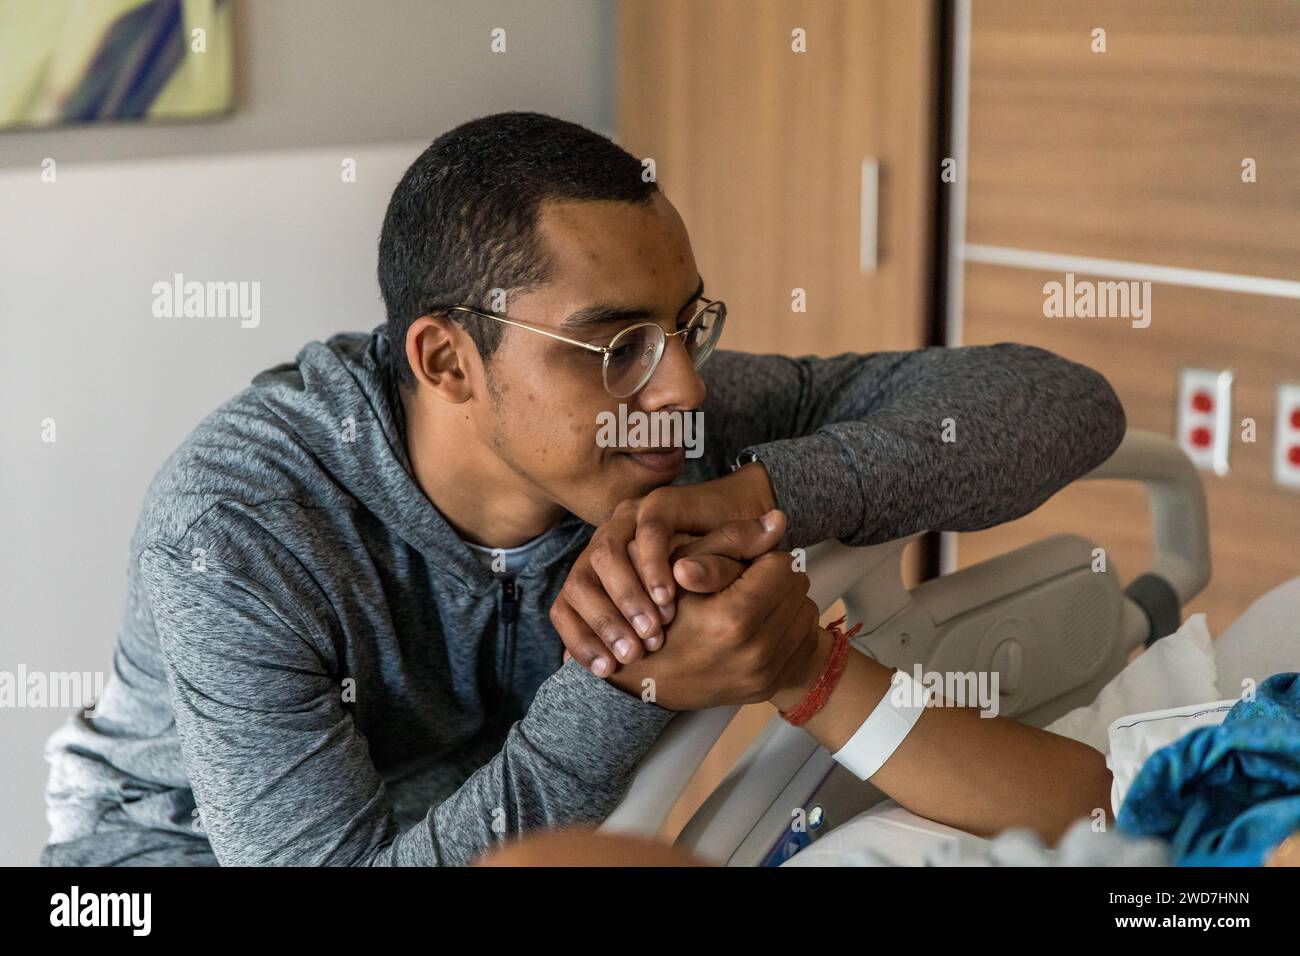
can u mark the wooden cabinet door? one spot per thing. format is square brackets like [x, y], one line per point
[761, 148]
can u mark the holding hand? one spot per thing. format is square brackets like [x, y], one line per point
[621, 592]
[749, 641]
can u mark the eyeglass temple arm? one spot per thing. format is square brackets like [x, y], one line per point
[602, 349]
[708, 303]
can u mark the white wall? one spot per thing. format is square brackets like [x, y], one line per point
[78, 260]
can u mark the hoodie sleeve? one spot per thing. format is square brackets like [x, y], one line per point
[869, 448]
[282, 776]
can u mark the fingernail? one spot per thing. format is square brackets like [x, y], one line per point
[653, 642]
[691, 565]
[622, 648]
[769, 520]
[666, 612]
[643, 623]
[661, 595]
[600, 667]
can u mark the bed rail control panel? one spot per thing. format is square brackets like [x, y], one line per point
[1041, 619]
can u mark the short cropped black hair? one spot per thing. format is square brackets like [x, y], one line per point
[463, 219]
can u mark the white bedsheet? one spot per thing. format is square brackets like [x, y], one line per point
[895, 835]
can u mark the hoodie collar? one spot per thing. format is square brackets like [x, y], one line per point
[340, 402]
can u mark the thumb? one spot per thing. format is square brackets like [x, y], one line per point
[742, 540]
[707, 573]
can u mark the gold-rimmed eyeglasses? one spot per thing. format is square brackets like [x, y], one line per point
[632, 356]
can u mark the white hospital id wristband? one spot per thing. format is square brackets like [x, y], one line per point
[887, 726]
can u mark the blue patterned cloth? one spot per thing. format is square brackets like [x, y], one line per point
[1225, 795]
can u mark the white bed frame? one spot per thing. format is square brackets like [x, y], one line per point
[1054, 629]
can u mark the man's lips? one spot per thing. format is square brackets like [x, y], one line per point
[656, 459]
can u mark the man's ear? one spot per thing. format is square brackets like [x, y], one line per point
[440, 354]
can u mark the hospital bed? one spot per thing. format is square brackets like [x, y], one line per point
[1051, 619]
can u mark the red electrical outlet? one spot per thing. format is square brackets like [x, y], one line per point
[1286, 450]
[1205, 417]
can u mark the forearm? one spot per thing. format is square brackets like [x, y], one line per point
[979, 774]
[882, 446]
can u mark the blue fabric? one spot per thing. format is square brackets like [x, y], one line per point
[1225, 795]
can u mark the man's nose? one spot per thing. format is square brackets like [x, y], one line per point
[675, 383]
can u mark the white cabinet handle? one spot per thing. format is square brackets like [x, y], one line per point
[869, 216]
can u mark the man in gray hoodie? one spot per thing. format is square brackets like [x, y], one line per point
[342, 638]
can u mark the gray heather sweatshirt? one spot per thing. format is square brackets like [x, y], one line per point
[314, 669]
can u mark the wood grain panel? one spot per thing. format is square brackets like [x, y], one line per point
[1254, 523]
[760, 149]
[1136, 153]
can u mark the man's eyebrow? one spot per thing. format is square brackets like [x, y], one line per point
[595, 315]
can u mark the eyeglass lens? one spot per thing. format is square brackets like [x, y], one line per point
[635, 353]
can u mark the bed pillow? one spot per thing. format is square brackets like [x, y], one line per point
[1263, 641]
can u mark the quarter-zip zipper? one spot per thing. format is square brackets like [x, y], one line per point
[509, 617]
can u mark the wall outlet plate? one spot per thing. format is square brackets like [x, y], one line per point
[1205, 417]
[1286, 447]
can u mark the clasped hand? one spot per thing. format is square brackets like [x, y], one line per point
[684, 588]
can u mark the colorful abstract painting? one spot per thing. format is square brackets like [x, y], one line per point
[83, 61]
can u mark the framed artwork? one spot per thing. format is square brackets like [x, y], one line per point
[71, 61]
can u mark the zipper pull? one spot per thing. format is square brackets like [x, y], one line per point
[509, 601]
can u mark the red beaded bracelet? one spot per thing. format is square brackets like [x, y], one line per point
[820, 692]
